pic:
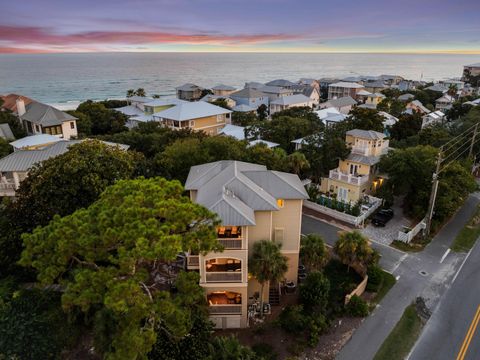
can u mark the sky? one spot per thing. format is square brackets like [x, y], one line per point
[412, 26]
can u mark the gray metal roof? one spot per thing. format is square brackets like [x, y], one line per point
[341, 102]
[235, 189]
[191, 110]
[22, 160]
[247, 93]
[291, 100]
[274, 90]
[189, 87]
[366, 134]
[362, 159]
[405, 97]
[280, 82]
[45, 115]
[5, 132]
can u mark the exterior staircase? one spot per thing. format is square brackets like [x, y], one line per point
[274, 295]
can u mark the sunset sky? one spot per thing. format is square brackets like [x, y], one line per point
[240, 25]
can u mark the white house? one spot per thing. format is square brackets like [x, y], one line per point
[287, 102]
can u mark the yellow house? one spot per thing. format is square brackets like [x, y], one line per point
[355, 176]
[374, 99]
[198, 115]
[253, 204]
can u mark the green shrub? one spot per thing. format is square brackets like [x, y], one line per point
[357, 307]
[264, 351]
[296, 348]
[292, 319]
[375, 278]
[316, 326]
[314, 292]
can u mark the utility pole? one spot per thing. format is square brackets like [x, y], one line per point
[473, 140]
[433, 194]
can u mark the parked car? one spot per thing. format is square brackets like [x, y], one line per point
[382, 217]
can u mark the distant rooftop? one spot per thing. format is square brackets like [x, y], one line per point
[291, 100]
[191, 110]
[345, 84]
[366, 134]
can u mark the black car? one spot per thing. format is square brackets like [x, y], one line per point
[382, 217]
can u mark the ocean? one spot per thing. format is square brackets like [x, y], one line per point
[64, 79]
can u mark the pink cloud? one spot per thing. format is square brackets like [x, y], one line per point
[28, 36]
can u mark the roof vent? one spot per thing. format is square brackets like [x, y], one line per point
[228, 192]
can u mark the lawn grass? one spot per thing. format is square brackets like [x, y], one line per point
[387, 283]
[468, 235]
[413, 246]
[402, 338]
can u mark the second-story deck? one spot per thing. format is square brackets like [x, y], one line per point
[348, 178]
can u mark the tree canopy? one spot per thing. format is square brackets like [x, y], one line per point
[112, 254]
[313, 252]
[98, 119]
[353, 249]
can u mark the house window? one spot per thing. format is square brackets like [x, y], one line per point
[278, 235]
[219, 118]
[192, 123]
[72, 125]
[280, 203]
[37, 128]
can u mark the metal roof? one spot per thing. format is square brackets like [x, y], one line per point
[243, 108]
[191, 110]
[280, 82]
[366, 134]
[140, 99]
[165, 102]
[341, 102]
[35, 140]
[189, 87]
[45, 115]
[223, 87]
[247, 93]
[238, 132]
[129, 110]
[291, 100]
[362, 159]
[5, 132]
[22, 160]
[235, 189]
[346, 84]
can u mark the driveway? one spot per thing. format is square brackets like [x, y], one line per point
[385, 235]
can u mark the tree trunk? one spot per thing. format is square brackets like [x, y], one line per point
[261, 301]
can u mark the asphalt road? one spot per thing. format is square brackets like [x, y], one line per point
[446, 335]
[391, 257]
[428, 274]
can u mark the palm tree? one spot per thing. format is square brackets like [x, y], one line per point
[267, 264]
[141, 92]
[313, 252]
[452, 90]
[226, 348]
[297, 162]
[353, 248]
[130, 93]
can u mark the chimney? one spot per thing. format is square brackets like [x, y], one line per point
[20, 106]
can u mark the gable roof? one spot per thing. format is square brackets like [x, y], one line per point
[5, 132]
[191, 110]
[129, 110]
[10, 101]
[445, 98]
[366, 134]
[22, 160]
[308, 91]
[274, 90]
[291, 100]
[235, 189]
[280, 82]
[341, 102]
[247, 93]
[188, 87]
[346, 84]
[437, 87]
[45, 115]
[406, 97]
[419, 104]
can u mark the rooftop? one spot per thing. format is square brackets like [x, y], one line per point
[235, 190]
[6, 133]
[35, 140]
[45, 115]
[191, 110]
[10, 101]
[165, 102]
[139, 99]
[341, 102]
[189, 87]
[291, 100]
[366, 134]
[129, 110]
[247, 93]
[346, 84]
[243, 108]
[280, 82]
[223, 87]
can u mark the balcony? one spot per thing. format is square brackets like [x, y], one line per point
[7, 187]
[223, 270]
[230, 237]
[231, 243]
[348, 178]
[224, 302]
[361, 150]
[193, 262]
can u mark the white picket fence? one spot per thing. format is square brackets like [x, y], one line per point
[406, 237]
[357, 221]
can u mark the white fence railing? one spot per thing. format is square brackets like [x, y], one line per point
[357, 221]
[224, 276]
[232, 243]
[225, 309]
[407, 236]
[349, 178]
